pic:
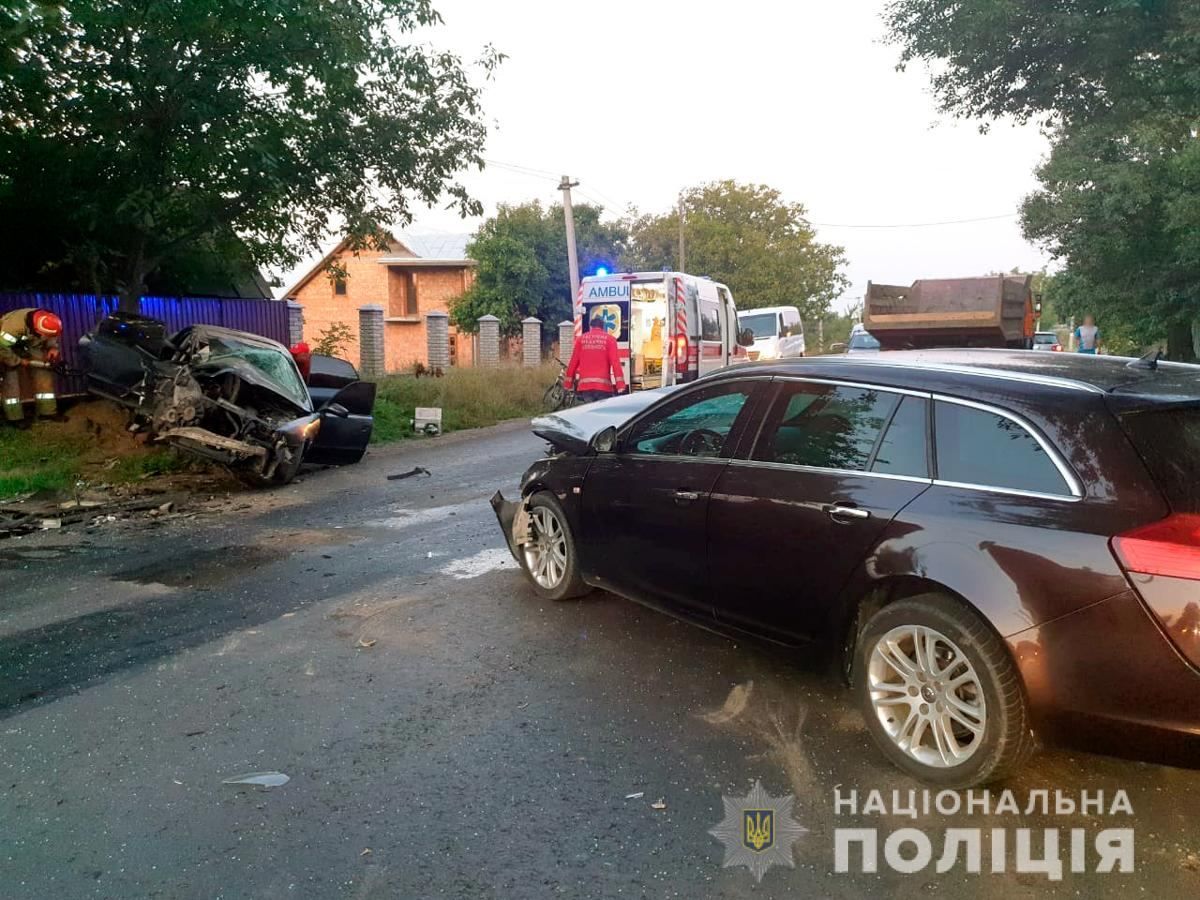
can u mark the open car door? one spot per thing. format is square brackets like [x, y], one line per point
[342, 440]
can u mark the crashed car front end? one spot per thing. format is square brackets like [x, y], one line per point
[228, 396]
[569, 435]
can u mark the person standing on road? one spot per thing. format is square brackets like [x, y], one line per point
[29, 340]
[1087, 336]
[597, 363]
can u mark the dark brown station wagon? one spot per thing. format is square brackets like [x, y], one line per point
[995, 544]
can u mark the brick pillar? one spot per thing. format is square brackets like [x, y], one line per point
[437, 339]
[295, 322]
[531, 331]
[370, 341]
[489, 341]
[566, 340]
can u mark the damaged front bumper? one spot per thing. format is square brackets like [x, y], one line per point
[513, 516]
[203, 442]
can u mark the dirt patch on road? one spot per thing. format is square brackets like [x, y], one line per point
[294, 538]
[778, 720]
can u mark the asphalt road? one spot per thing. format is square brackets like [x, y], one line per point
[445, 733]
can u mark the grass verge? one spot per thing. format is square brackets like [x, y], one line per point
[469, 398]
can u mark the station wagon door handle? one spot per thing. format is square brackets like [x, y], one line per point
[841, 513]
[685, 497]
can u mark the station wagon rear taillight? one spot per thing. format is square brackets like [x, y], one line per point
[1170, 548]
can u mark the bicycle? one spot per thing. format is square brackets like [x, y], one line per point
[558, 395]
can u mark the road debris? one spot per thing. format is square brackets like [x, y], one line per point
[366, 644]
[366, 852]
[418, 470]
[638, 796]
[660, 803]
[261, 779]
[24, 517]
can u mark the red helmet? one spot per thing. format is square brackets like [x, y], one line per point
[46, 323]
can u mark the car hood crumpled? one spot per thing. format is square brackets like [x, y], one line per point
[571, 429]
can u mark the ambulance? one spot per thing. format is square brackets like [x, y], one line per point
[670, 327]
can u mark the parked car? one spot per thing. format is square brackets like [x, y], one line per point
[230, 396]
[862, 342]
[992, 544]
[777, 330]
[1045, 340]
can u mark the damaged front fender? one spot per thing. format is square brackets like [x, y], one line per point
[513, 516]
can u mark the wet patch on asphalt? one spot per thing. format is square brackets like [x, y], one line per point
[201, 568]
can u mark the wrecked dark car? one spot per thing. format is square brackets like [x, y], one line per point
[230, 396]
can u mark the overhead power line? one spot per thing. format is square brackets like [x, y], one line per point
[603, 201]
[916, 224]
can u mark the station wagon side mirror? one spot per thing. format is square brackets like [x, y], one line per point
[746, 337]
[605, 440]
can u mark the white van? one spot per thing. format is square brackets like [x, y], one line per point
[671, 327]
[778, 332]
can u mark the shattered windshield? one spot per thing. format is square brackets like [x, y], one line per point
[276, 365]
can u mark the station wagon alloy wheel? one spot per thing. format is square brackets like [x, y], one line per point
[546, 553]
[927, 696]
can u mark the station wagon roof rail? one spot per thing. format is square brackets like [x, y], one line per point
[977, 371]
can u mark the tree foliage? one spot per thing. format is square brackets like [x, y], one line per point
[133, 132]
[1116, 84]
[749, 238]
[523, 269]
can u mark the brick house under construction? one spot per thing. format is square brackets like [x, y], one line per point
[404, 285]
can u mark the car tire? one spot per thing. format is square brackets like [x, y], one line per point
[550, 559]
[949, 710]
[284, 473]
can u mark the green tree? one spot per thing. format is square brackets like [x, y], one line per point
[1114, 83]
[130, 133]
[749, 238]
[523, 269]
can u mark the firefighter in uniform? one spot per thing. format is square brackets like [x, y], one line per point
[29, 339]
[593, 358]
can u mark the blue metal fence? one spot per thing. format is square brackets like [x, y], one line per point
[81, 312]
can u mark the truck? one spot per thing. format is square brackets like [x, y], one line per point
[670, 327]
[992, 311]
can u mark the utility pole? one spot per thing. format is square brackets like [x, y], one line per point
[682, 257]
[572, 255]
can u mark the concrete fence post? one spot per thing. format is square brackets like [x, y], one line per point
[531, 332]
[295, 322]
[566, 340]
[370, 340]
[489, 341]
[437, 339]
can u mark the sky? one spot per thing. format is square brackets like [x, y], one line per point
[637, 100]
